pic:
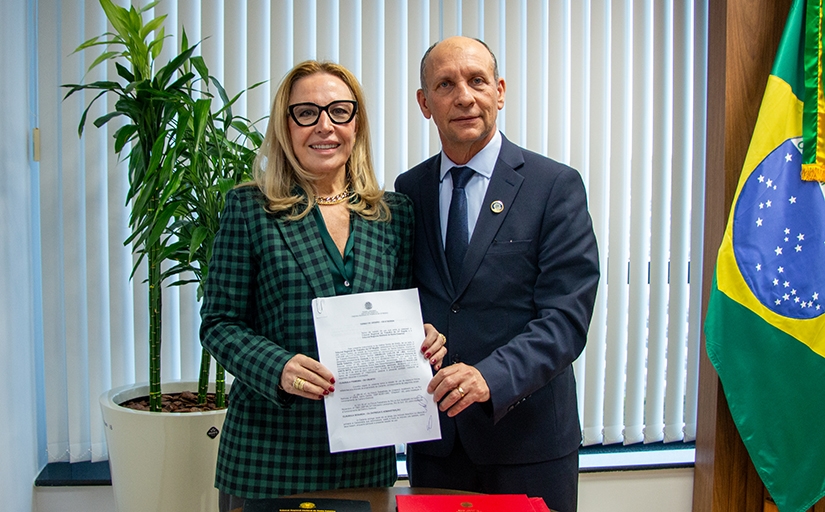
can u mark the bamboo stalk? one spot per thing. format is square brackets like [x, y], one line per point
[155, 299]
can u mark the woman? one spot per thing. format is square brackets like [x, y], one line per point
[314, 223]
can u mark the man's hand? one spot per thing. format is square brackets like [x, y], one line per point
[458, 386]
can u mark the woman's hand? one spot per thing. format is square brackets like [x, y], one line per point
[306, 377]
[434, 348]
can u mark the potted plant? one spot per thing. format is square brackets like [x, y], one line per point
[218, 152]
[182, 158]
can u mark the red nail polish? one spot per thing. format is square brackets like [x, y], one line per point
[332, 380]
[423, 349]
[427, 355]
[331, 389]
[326, 392]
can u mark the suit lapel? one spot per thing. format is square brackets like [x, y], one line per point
[504, 185]
[431, 219]
[304, 242]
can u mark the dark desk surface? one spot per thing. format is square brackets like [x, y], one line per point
[382, 499]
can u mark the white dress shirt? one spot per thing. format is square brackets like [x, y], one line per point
[483, 164]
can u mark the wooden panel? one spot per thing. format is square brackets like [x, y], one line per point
[819, 507]
[754, 30]
[770, 506]
[709, 388]
[742, 39]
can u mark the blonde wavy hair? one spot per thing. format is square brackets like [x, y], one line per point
[279, 174]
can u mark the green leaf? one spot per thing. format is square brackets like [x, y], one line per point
[184, 41]
[225, 185]
[123, 135]
[151, 26]
[180, 82]
[256, 85]
[201, 118]
[171, 187]
[100, 121]
[200, 234]
[200, 67]
[221, 90]
[166, 72]
[83, 116]
[161, 221]
[256, 138]
[102, 85]
[157, 45]
[124, 73]
[102, 58]
[241, 127]
[134, 21]
[150, 5]
[168, 252]
[180, 282]
[117, 16]
[89, 43]
[141, 194]
[158, 153]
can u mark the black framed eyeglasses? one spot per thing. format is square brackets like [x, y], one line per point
[308, 114]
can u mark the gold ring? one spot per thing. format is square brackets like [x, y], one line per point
[298, 383]
[443, 338]
[461, 391]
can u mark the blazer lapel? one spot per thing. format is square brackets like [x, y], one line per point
[368, 239]
[504, 185]
[304, 242]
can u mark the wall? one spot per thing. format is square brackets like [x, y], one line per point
[628, 491]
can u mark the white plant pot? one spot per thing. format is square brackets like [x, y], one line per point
[161, 461]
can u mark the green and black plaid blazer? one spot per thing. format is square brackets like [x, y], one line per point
[256, 315]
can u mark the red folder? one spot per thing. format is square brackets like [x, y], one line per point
[464, 503]
[539, 505]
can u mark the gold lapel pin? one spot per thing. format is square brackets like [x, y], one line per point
[497, 206]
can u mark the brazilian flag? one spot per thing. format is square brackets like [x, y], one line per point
[765, 327]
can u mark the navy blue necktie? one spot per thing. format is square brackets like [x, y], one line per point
[458, 237]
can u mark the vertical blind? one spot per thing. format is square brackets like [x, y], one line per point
[612, 88]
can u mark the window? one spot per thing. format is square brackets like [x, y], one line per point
[615, 89]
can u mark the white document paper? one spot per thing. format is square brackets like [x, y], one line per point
[371, 342]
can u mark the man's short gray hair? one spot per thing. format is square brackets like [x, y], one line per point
[423, 78]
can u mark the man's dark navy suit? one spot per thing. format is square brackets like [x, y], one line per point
[521, 310]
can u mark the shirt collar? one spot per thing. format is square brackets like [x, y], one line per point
[482, 162]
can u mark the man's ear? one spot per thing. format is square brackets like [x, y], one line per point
[422, 103]
[502, 88]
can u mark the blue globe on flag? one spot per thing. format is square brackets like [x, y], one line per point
[778, 240]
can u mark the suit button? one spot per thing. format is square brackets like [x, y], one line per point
[455, 308]
[455, 358]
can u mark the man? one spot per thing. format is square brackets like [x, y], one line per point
[511, 282]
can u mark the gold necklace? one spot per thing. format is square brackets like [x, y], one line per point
[336, 199]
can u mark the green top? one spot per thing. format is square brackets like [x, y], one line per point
[341, 269]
